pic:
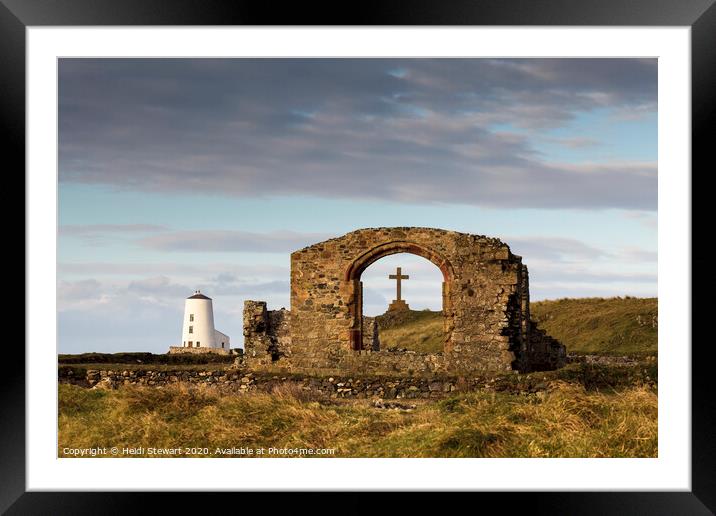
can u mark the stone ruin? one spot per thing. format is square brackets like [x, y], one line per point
[485, 305]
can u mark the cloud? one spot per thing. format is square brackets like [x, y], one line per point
[575, 142]
[78, 291]
[553, 249]
[96, 234]
[221, 271]
[252, 290]
[159, 286]
[561, 276]
[224, 278]
[405, 130]
[231, 241]
[636, 254]
[646, 218]
[89, 229]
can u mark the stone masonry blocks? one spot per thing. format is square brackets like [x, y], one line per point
[485, 305]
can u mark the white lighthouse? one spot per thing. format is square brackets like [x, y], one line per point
[198, 330]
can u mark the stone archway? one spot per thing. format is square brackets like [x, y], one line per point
[361, 263]
[485, 300]
[484, 288]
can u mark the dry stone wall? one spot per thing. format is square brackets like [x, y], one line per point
[178, 350]
[345, 385]
[238, 380]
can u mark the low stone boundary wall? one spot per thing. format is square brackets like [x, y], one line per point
[243, 381]
[173, 350]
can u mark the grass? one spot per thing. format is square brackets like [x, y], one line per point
[609, 326]
[581, 410]
[601, 326]
[417, 330]
[565, 419]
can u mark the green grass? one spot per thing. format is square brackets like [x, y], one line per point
[417, 330]
[563, 420]
[610, 326]
[607, 326]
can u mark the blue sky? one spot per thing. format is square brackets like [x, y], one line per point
[183, 174]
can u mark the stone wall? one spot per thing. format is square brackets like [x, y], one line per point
[264, 353]
[545, 352]
[485, 306]
[482, 289]
[267, 333]
[232, 380]
[371, 339]
[177, 350]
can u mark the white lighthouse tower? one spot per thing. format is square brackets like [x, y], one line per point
[198, 330]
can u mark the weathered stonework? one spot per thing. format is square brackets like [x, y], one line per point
[485, 306]
[338, 386]
[267, 334]
[371, 340]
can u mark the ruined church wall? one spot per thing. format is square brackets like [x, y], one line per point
[267, 333]
[485, 303]
[371, 339]
[482, 294]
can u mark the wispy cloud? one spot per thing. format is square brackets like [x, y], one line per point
[219, 270]
[554, 249]
[576, 142]
[231, 241]
[648, 219]
[87, 229]
[97, 234]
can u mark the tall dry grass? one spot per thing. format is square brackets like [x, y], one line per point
[564, 421]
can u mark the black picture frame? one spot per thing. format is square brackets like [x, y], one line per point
[17, 15]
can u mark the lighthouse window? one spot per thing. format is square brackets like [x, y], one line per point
[191, 317]
[198, 344]
[191, 329]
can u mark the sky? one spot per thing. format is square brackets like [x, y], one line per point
[185, 174]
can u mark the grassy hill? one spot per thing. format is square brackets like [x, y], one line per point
[419, 330]
[611, 326]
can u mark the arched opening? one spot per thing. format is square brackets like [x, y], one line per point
[356, 302]
[402, 304]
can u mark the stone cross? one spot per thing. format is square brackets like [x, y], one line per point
[398, 276]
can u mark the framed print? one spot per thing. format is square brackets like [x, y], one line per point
[435, 249]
